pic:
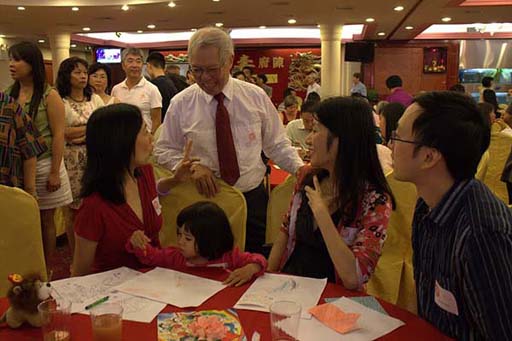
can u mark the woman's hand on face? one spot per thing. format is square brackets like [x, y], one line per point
[139, 240]
[242, 275]
[316, 200]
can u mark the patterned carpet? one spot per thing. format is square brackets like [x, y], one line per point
[60, 262]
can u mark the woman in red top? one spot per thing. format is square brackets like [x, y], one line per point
[118, 190]
[338, 217]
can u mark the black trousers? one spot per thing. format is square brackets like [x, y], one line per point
[257, 200]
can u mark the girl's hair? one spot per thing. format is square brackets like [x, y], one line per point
[99, 66]
[392, 113]
[64, 77]
[209, 225]
[30, 54]
[357, 164]
[110, 140]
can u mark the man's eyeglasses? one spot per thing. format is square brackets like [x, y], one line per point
[394, 138]
[198, 71]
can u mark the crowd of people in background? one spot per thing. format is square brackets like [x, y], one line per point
[87, 145]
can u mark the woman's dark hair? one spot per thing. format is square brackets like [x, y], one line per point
[30, 54]
[458, 88]
[64, 77]
[486, 109]
[110, 140]
[313, 97]
[451, 123]
[209, 225]
[99, 66]
[357, 164]
[287, 92]
[263, 78]
[392, 113]
[393, 81]
[489, 96]
[487, 81]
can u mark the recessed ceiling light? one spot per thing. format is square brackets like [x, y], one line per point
[125, 7]
[219, 24]
[263, 26]
[2, 35]
[21, 8]
[86, 29]
[216, 0]
[292, 21]
[40, 41]
[399, 8]
[381, 34]
[446, 19]
[151, 26]
[370, 20]
[75, 9]
[73, 45]
[409, 27]
[172, 4]
[140, 31]
[193, 29]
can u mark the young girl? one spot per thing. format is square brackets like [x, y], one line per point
[204, 239]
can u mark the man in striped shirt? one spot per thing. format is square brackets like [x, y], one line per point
[462, 234]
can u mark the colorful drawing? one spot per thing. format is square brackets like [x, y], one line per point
[222, 325]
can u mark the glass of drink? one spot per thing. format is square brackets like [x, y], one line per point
[107, 322]
[55, 319]
[284, 320]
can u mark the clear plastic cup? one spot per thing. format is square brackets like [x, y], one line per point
[284, 320]
[55, 319]
[107, 322]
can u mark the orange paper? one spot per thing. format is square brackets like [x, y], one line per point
[335, 318]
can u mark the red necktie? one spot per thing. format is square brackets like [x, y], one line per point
[228, 163]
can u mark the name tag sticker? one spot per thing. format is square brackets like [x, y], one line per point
[445, 300]
[157, 206]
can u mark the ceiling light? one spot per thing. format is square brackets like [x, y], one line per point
[219, 24]
[215, 0]
[73, 45]
[263, 26]
[40, 41]
[140, 31]
[2, 35]
[318, 25]
[446, 19]
[381, 34]
[370, 20]
[172, 4]
[75, 9]
[86, 29]
[125, 7]
[409, 27]
[292, 21]
[21, 8]
[399, 8]
[151, 26]
[193, 29]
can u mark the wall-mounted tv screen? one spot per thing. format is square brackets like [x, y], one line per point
[108, 55]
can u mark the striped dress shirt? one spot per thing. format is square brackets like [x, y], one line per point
[464, 246]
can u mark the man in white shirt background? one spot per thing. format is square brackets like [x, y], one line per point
[313, 86]
[136, 90]
[298, 130]
[229, 122]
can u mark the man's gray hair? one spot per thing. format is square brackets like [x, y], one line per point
[212, 36]
[133, 51]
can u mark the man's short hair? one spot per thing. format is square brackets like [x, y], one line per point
[263, 77]
[487, 81]
[133, 51]
[451, 123]
[393, 81]
[290, 100]
[156, 59]
[357, 75]
[309, 106]
[212, 36]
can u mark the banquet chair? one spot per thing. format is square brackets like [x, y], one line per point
[483, 165]
[393, 279]
[499, 150]
[230, 199]
[278, 203]
[21, 243]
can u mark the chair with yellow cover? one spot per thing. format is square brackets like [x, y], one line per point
[21, 243]
[278, 203]
[393, 279]
[230, 199]
[483, 165]
[499, 150]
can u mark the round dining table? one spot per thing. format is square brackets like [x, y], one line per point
[252, 321]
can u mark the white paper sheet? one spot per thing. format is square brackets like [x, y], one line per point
[279, 287]
[371, 323]
[82, 291]
[172, 287]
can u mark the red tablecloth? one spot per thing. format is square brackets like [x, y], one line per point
[277, 176]
[415, 328]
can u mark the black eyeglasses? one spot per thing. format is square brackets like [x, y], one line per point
[395, 138]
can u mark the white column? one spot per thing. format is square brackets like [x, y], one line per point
[330, 35]
[59, 44]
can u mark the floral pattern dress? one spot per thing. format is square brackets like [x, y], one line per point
[75, 156]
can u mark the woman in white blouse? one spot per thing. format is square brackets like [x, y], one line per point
[100, 80]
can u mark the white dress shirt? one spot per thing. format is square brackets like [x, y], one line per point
[255, 126]
[144, 95]
[315, 87]
[297, 133]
